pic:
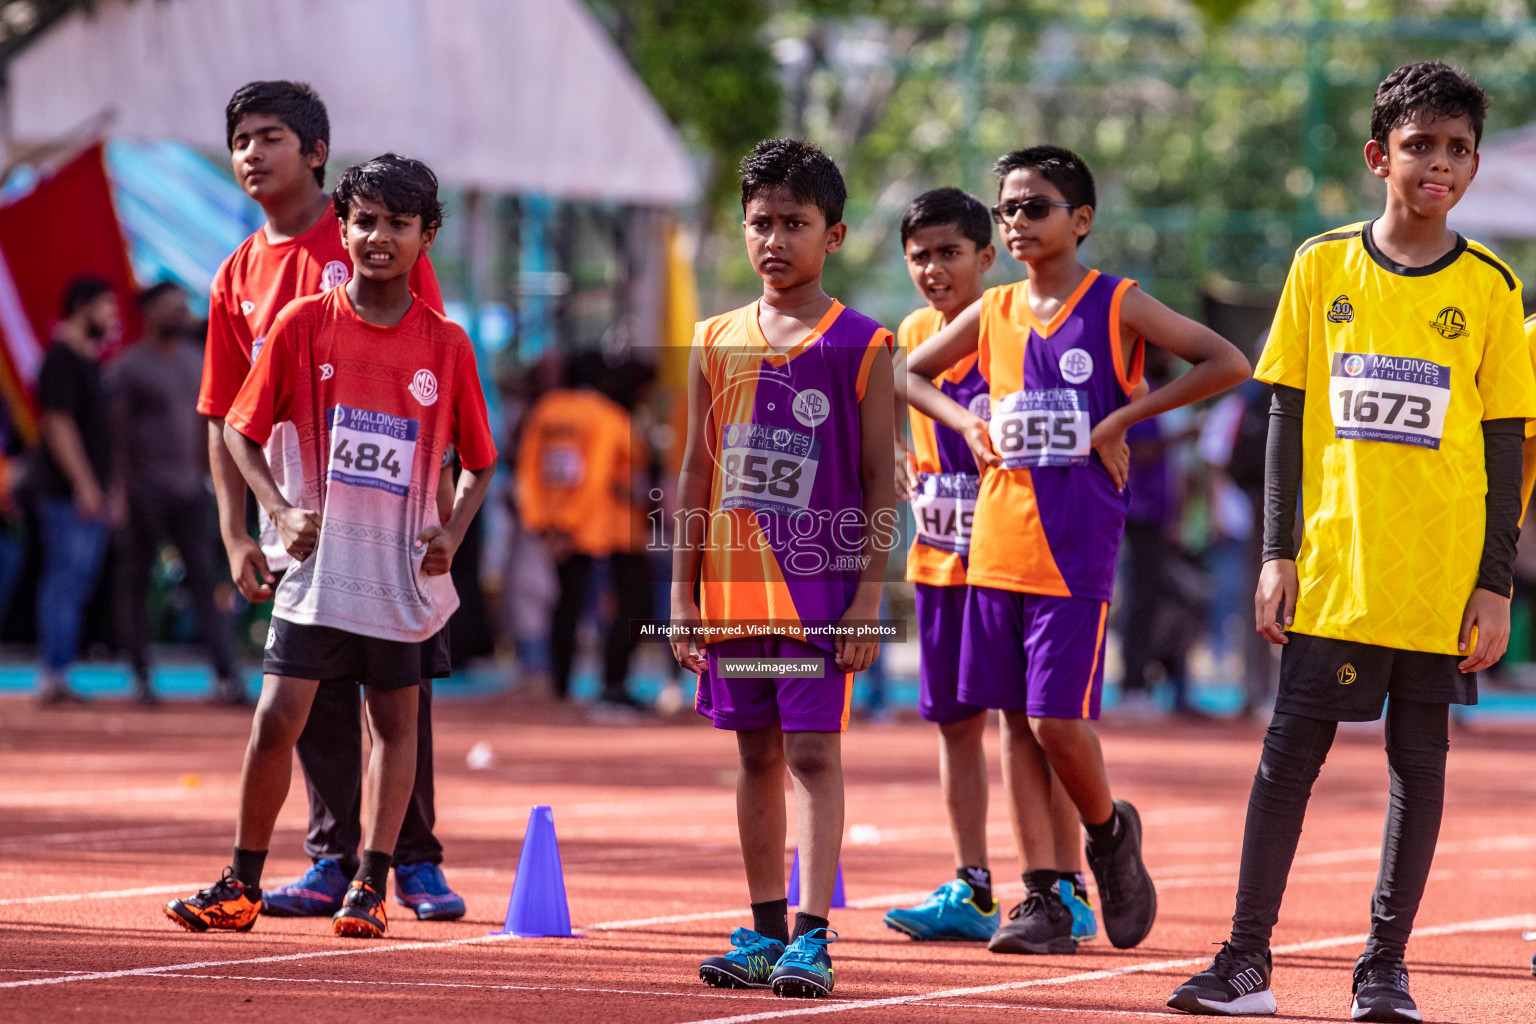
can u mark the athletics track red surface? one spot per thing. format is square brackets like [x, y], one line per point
[105, 812]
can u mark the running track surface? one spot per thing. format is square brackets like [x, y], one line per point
[108, 811]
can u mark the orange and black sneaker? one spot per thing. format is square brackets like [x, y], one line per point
[362, 912]
[226, 905]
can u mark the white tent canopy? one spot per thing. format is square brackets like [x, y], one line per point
[1502, 200]
[518, 96]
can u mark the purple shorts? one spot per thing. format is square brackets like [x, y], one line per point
[1032, 653]
[804, 703]
[940, 619]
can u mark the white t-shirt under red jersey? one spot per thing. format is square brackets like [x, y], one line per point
[251, 288]
[371, 409]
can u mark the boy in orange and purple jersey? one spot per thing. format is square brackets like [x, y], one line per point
[947, 237]
[1062, 356]
[788, 466]
[279, 139]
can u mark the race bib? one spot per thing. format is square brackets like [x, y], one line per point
[1045, 427]
[372, 449]
[767, 469]
[562, 466]
[1389, 398]
[943, 506]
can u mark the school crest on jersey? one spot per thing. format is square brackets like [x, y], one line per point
[1451, 323]
[423, 387]
[1341, 312]
[812, 406]
[981, 406]
[335, 273]
[1076, 365]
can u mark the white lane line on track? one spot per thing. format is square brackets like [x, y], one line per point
[1484, 925]
[70, 897]
[1016, 1008]
[283, 958]
[375, 982]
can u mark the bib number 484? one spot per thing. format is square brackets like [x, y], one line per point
[368, 457]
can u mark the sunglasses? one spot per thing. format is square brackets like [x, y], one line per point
[1033, 208]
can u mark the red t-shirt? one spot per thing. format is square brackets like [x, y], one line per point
[373, 409]
[254, 285]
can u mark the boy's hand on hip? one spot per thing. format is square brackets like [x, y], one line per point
[685, 616]
[440, 547]
[299, 529]
[248, 568]
[1487, 616]
[906, 473]
[979, 440]
[1108, 439]
[1276, 595]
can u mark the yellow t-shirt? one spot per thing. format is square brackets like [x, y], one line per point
[1400, 365]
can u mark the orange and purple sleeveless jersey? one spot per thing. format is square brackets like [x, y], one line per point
[786, 501]
[944, 503]
[1049, 521]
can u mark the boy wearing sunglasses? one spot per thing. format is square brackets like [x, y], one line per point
[1062, 353]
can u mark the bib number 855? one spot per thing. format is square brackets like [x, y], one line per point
[1037, 432]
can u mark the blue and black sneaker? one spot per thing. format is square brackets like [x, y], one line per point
[423, 888]
[1085, 925]
[319, 893]
[950, 912]
[805, 969]
[749, 964]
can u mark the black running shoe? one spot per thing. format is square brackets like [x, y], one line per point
[1381, 990]
[1125, 889]
[1236, 983]
[1040, 924]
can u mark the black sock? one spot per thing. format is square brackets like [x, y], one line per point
[1079, 883]
[1105, 837]
[771, 919]
[1040, 882]
[980, 881]
[374, 870]
[808, 923]
[349, 866]
[247, 866]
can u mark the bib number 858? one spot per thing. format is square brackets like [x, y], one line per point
[762, 474]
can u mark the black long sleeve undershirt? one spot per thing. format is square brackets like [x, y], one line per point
[1502, 459]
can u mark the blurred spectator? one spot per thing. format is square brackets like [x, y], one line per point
[74, 507]
[571, 463]
[629, 564]
[13, 547]
[160, 458]
[1232, 444]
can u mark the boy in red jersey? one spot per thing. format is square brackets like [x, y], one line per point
[278, 135]
[947, 235]
[376, 385]
[788, 467]
[1062, 356]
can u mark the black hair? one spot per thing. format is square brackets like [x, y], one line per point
[150, 295]
[398, 183]
[1428, 87]
[1061, 167]
[800, 166]
[82, 291]
[948, 206]
[296, 104]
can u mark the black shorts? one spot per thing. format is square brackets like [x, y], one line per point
[336, 656]
[1346, 681]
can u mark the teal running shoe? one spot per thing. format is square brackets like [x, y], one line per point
[1085, 925]
[747, 965]
[805, 969]
[950, 912]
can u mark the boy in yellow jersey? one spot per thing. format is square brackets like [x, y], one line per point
[1403, 381]
[1062, 355]
[947, 238]
[786, 505]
